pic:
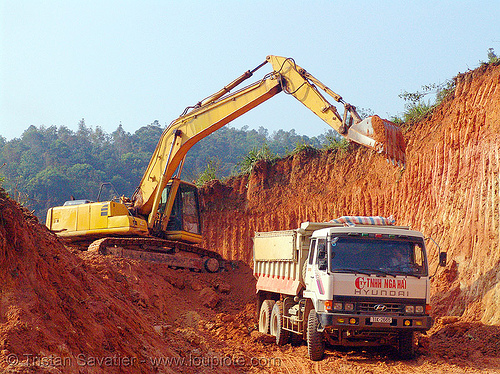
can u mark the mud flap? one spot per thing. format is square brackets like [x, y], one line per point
[320, 328]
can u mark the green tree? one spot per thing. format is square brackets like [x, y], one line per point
[492, 58]
[121, 140]
[48, 188]
[47, 165]
[85, 180]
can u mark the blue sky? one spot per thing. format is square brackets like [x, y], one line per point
[133, 62]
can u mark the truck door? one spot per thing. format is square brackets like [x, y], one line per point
[317, 263]
[308, 275]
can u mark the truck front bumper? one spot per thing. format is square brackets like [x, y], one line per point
[374, 321]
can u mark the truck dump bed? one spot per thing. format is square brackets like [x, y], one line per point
[279, 257]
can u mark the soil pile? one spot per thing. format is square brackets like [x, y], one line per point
[84, 313]
[449, 191]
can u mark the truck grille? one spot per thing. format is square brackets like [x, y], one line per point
[380, 307]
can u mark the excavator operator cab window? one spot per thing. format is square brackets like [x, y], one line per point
[190, 210]
[185, 215]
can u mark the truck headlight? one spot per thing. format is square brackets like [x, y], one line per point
[419, 309]
[410, 309]
[349, 307]
[337, 306]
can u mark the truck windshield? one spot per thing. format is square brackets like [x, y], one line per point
[385, 256]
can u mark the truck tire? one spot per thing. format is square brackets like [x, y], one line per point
[315, 342]
[406, 345]
[282, 335]
[265, 316]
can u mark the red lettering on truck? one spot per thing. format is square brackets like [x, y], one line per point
[367, 282]
[362, 282]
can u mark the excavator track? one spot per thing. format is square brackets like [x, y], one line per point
[173, 253]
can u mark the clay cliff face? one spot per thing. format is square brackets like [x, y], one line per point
[449, 191]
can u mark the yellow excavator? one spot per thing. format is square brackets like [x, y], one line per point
[161, 221]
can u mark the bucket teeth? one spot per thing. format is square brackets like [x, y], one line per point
[394, 146]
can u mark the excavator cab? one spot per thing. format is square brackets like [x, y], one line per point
[183, 223]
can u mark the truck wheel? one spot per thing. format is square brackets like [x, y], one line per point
[315, 342]
[406, 345]
[265, 316]
[282, 336]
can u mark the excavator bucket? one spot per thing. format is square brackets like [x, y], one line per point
[381, 135]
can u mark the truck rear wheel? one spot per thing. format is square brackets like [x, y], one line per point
[315, 342]
[265, 316]
[282, 336]
[406, 345]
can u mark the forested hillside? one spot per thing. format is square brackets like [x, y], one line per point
[48, 165]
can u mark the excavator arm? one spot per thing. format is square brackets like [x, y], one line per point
[221, 108]
[374, 132]
[187, 130]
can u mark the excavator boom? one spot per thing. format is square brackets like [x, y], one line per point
[186, 131]
[161, 221]
[221, 108]
[381, 135]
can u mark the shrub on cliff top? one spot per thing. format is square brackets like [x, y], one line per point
[416, 108]
[211, 172]
[246, 165]
[492, 58]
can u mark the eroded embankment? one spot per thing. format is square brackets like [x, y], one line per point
[449, 190]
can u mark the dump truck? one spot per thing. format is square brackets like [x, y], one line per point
[161, 220]
[355, 281]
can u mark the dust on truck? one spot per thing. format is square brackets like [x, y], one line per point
[357, 281]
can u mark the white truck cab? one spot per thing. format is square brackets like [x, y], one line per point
[357, 284]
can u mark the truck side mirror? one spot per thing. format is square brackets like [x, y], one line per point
[323, 264]
[322, 255]
[442, 258]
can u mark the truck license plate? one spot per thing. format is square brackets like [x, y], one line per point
[381, 319]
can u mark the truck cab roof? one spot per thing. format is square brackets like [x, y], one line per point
[397, 231]
[322, 229]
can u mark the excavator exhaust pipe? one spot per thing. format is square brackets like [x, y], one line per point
[381, 135]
